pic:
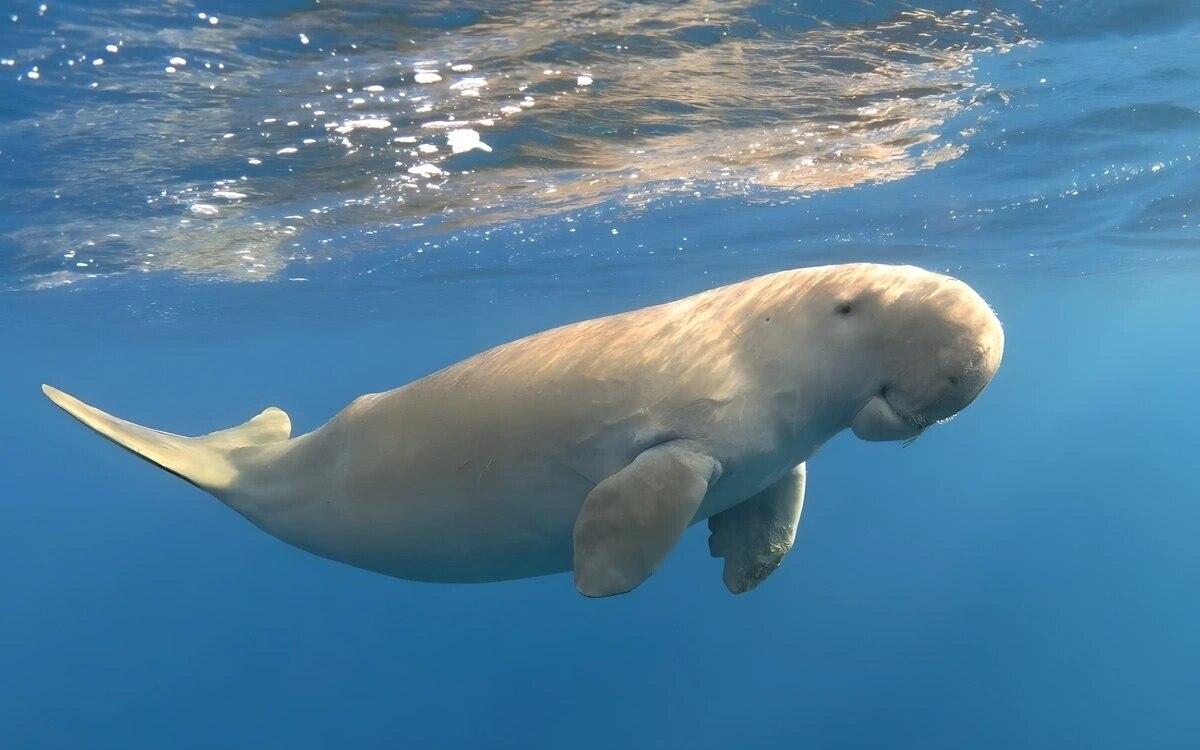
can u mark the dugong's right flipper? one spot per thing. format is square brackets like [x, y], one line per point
[754, 536]
[631, 521]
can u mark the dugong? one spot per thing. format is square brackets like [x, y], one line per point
[593, 446]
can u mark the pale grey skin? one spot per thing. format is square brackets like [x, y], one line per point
[593, 446]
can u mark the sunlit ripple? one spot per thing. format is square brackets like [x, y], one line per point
[216, 145]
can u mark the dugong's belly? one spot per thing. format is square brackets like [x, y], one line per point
[486, 522]
[482, 520]
[446, 506]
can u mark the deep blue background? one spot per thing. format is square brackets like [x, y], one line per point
[1024, 576]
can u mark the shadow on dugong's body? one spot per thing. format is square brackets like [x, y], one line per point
[595, 445]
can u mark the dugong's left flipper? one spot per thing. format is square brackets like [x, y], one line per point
[754, 536]
[631, 521]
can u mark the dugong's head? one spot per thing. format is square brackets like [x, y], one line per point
[918, 346]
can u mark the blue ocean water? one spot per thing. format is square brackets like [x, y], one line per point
[1024, 576]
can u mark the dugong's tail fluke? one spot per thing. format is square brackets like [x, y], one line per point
[204, 461]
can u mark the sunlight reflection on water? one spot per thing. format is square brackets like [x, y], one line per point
[232, 147]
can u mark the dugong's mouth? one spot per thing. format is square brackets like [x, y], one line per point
[918, 421]
[881, 419]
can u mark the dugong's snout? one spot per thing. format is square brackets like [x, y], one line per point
[972, 354]
[949, 350]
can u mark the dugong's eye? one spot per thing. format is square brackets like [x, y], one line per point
[845, 308]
